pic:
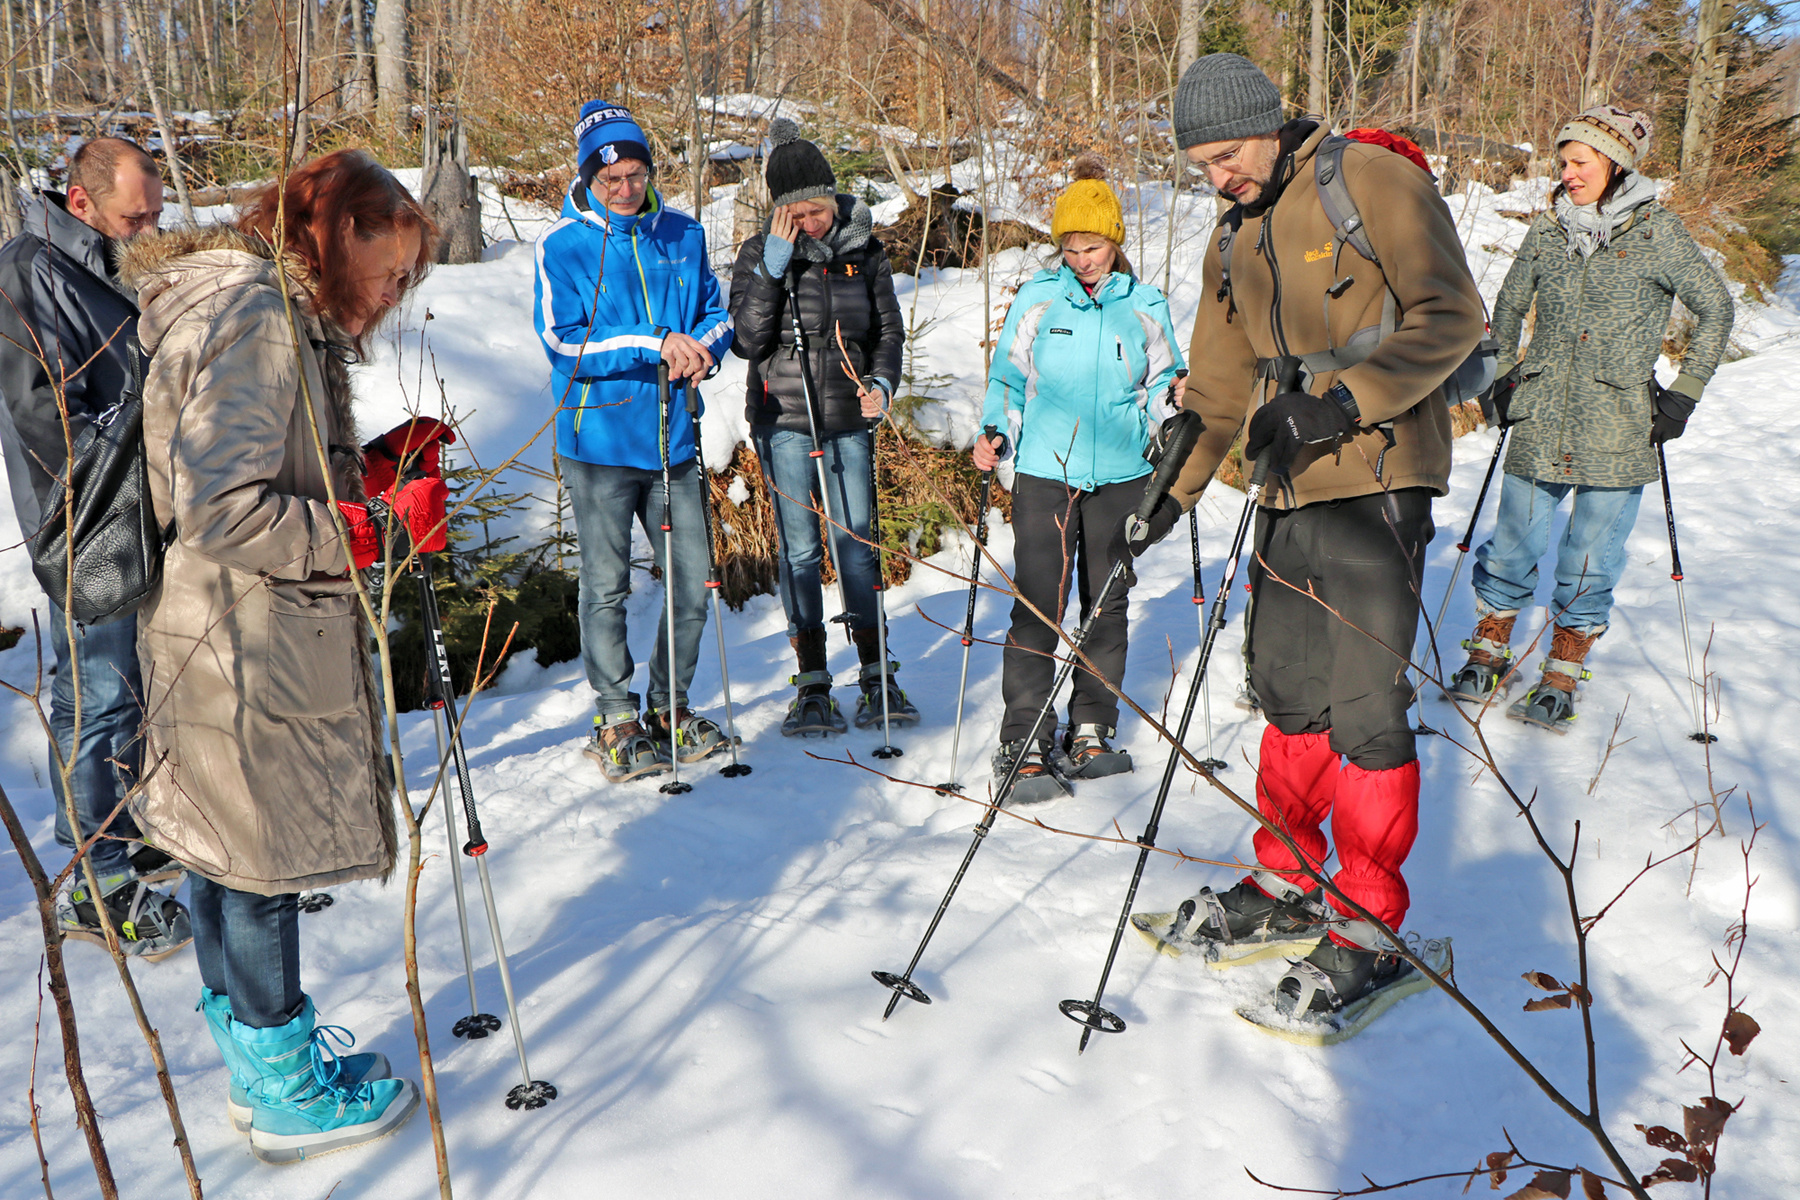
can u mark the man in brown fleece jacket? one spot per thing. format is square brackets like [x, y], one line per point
[1354, 461]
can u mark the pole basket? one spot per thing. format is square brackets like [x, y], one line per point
[948, 789]
[535, 1094]
[901, 984]
[1704, 738]
[476, 1026]
[315, 902]
[1090, 1015]
[888, 752]
[735, 770]
[675, 788]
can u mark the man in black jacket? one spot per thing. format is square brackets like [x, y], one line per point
[64, 323]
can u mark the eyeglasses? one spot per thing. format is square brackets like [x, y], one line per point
[622, 183]
[1223, 162]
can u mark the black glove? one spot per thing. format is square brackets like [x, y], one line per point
[1162, 519]
[1499, 399]
[1292, 420]
[1670, 419]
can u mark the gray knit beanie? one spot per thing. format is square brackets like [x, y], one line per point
[1224, 96]
[796, 169]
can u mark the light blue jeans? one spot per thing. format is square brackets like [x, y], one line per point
[111, 753]
[1589, 559]
[794, 482]
[606, 500]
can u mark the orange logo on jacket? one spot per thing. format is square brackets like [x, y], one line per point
[1313, 256]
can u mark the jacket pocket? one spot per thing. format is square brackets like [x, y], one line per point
[309, 667]
[1527, 396]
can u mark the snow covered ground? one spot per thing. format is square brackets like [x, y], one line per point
[693, 970]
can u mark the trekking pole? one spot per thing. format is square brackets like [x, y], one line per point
[968, 633]
[674, 787]
[1700, 733]
[1180, 441]
[1088, 1013]
[530, 1093]
[1468, 538]
[887, 748]
[1212, 763]
[477, 1024]
[713, 584]
[810, 392]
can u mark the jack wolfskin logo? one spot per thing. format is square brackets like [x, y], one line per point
[1315, 255]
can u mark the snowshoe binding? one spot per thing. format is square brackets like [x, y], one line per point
[1551, 704]
[1336, 991]
[696, 737]
[150, 925]
[812, 713]
[1088, 753]
[152, 865]
[1262, 916]
[1247, 699]
[1038, 780]
[900, 710]
[1489, 671]
[623, 750]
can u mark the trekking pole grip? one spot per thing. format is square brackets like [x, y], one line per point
[1185, 431]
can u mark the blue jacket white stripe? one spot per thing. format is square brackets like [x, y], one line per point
[604, 335]
[1076, 380]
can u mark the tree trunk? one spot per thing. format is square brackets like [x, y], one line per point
[1412, 69]
[1093, 56]
[753, 44]
[1187, 35]
[393, 91]
[1315, 62]
[765, 48]
[109, 50]
[358, 90]
[303, 55]
[902, 18]
[448, 191]
[1590, 78]
[134, 26]
[1706, 90]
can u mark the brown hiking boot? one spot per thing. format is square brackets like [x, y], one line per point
[1551, 704]
[1489, 669]
[623, 750]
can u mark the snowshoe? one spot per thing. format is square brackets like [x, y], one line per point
[150, 925]
[623, 750]
[1252, 921]
[900, 710]
[1088, 754]
[1038, 781]
[1247, 699]
[696, 737]
[1551, 704]
[813, 713]
[1337, 991]
[1489, 671]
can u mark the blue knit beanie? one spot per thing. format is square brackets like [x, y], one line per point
[605, 133]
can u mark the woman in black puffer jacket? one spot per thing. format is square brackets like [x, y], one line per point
[819, 244]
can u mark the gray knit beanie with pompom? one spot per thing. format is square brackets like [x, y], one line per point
[796, 170]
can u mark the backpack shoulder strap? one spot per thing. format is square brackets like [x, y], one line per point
[1229, 225]
[1334, 194]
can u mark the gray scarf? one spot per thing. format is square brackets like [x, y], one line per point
[1590, 227]
[848, 233]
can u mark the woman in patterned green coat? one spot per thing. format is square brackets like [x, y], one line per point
[1604, 267]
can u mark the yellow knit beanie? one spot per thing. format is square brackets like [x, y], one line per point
[1088, 205]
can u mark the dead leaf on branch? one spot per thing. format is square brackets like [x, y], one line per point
[1704, 1121]
[1672, 1170]
[1545, 1185]
[1497, 1162]
[1591, 1187]
[1581, 994]
[1663, 1138]
[1543, 981]
[1740, 1030]
[1545, 1003]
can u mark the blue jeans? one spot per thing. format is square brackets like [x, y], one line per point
[605, 500]
[793, 481]
[105, 657]
[1589, 559]
[249, 949]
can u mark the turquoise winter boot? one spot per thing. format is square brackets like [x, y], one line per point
[217, 1009]
[300, 1103]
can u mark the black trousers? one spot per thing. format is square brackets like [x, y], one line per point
[1343, 673]
[1059, 534]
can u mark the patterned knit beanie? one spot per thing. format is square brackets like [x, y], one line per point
[797, 170]
[1088, 205]
[1622, 136]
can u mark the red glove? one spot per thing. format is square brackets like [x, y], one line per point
[418, 443]
[418, 506]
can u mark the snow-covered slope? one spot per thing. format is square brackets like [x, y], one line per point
[693, 970]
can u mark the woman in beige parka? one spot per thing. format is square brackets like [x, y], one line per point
[266, 769]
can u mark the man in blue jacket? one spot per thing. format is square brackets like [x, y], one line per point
[623, 284]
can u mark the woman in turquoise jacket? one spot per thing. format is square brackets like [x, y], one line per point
[1079, 379]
